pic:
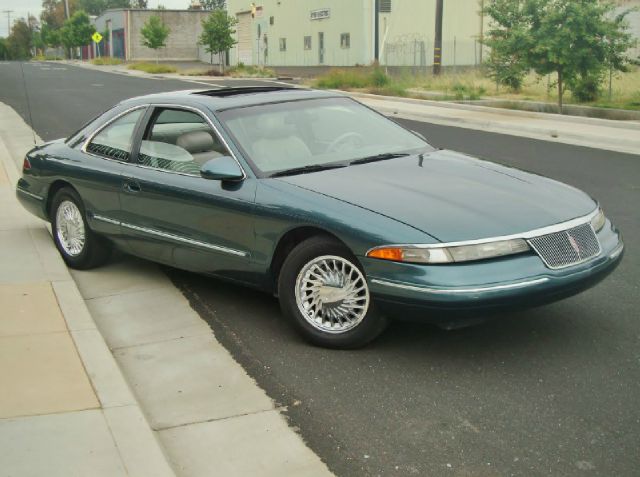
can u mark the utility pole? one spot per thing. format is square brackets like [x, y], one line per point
[67, 14]
[8, 12]
[437, 42]
[376, 31]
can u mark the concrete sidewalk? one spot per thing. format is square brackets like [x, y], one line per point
[607, 134]
[70, 410]
[65, 408]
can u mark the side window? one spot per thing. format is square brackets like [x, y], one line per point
[179, 141]
[114, 141]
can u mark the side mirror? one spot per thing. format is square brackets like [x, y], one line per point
[224, 168]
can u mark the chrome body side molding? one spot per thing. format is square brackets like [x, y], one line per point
[169, 236]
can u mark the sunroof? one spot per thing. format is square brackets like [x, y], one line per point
[237, 90]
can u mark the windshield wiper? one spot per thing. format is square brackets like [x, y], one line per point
[307, 169]
[379, 157]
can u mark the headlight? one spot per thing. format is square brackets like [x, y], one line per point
[460, 253]
[598, 221]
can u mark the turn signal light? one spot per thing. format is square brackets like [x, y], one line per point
[389, 253]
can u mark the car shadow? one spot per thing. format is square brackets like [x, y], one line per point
[252, 317]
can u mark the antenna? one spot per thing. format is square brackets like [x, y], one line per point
[26, 94]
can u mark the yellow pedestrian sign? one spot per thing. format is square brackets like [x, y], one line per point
[97, 37]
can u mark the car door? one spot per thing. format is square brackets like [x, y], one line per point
[173, 215]
[97, 175]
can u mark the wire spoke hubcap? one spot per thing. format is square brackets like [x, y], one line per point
[70, 228]
[332, 294]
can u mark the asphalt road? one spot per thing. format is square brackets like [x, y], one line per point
[549, 391]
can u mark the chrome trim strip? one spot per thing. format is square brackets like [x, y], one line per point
[83, 148]
[452, 291]
[177, 238]
[106, 219]
[616, 253]
[30, 194]
[524, 235]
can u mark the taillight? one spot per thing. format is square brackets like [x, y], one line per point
[26, 165]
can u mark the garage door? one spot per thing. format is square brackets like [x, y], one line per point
[244, 46]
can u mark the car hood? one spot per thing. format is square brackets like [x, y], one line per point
[451, 196]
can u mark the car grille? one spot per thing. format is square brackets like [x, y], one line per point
[567, 247]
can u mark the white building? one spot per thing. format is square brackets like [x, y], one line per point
[341, 32]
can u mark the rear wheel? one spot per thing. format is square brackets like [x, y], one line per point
[79, 246]
[324, 292]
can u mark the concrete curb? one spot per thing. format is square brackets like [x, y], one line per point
[140, 451]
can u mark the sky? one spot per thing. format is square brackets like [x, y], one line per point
[21, 8]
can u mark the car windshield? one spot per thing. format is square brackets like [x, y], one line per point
[307, 135]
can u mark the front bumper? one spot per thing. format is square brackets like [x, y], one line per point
[481, 288]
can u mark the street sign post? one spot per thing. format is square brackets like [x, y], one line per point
[97, 38]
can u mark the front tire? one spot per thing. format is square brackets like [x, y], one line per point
[79, 246]
[324, 292]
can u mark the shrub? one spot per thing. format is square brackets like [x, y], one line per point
[106, 60]
[153, 68]
[353, 79]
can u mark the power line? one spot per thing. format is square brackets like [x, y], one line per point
[8, 12]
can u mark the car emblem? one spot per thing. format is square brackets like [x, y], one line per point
[574, 244]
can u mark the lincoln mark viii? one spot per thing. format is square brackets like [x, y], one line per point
[346, 216]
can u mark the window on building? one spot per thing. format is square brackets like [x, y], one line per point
[345, 40]
[283, 44]
[271, 20]
[385, 6]
[307, 42]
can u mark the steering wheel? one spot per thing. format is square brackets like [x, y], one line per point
[350, 138]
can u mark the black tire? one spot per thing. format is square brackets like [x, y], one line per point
[95, 251]
[303, 254]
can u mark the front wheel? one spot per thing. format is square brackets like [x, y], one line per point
[323, 290]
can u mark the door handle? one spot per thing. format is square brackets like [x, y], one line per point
[131, 186]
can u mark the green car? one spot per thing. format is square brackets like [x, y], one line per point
[343, 214]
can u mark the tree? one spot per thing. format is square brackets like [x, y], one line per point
[508, 41]
[217, 34]
[77, 30]
[20, 40]
[213, 4]
[4, 49]
[154, 34]
[53, 12]
[50, 37]
[574, 39]
[96, 7]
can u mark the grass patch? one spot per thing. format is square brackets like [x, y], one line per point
[353, 79]
[106, 60]
[47, 58]
[243, 71]
[240, 71]
[473, 85]
[152, 68]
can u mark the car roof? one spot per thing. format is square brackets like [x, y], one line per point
[232, 97]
